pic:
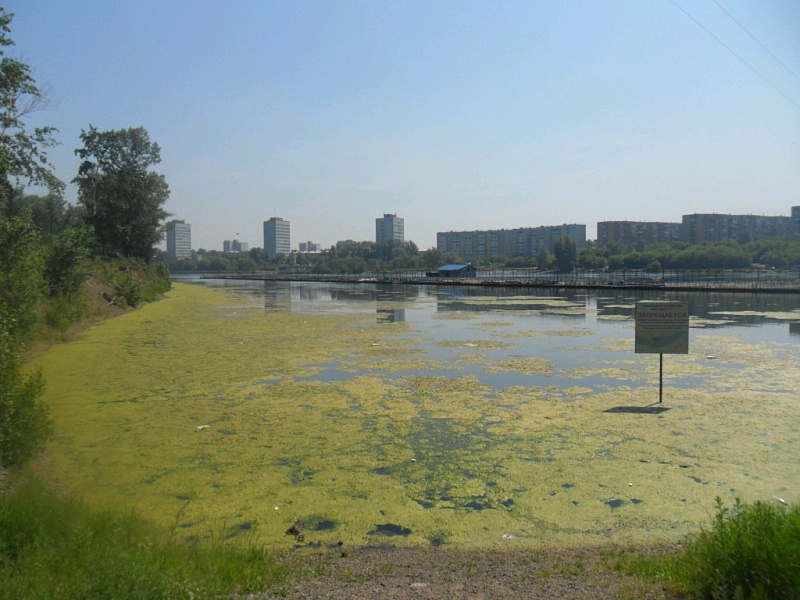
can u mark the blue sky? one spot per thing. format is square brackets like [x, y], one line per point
[454, 115]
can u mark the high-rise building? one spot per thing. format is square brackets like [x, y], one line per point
[389, 227]
[276, 237]
[796, 221]
[179, 239]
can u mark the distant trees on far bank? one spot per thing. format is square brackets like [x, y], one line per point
[369, 257]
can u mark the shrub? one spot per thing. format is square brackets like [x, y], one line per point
[751, 551]
[25, 424]
[60, 312]
[128, 286]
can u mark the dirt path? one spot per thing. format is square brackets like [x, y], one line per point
[428, 574]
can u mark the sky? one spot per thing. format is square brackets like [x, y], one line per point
[454, 115]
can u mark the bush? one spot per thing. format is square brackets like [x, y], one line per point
[127, 286]
[25, 424]
[64, 269]
[60, 312]
[752, 551]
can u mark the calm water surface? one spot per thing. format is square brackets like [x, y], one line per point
[579, 335]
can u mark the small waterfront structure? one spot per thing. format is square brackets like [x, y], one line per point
[457, 271]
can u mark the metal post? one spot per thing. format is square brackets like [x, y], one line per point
[660, 377]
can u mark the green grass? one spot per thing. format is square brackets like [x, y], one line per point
[57, 548]
[750, 552]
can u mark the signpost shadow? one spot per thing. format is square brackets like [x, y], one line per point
[651, 409]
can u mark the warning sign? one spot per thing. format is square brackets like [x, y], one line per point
[662, 327]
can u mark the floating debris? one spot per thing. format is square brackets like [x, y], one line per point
[297, 530]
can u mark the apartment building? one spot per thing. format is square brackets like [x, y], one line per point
[525, 241]
[179, 239]
[701, 228]
[629, 233]
[389, 227]
[277, 238]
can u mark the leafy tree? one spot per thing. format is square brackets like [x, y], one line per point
[24, 422]
[22, 153]
[122, 198]
[65, 257]
[592, 258]
[565, 251]
[543, 258]
[52, 214]
[433, 258]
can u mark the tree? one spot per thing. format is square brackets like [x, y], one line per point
[123, 200]
[22, 153]
[566, 253]
[24, 421]
[543, 258]
[52, 214]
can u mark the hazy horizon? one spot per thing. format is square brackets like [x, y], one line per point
[455, 116]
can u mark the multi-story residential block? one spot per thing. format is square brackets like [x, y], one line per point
[276, 237]
[389, 227]
[235, 246]
[629, 233]
[796, 221]
[179, 239]
[701, 228]
[309, 247]
[508, 242]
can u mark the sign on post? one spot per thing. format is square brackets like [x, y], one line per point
[662, 327]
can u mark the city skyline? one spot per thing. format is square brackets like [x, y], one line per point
[607, 230]
[458, 116]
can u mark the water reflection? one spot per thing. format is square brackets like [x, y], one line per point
[549, 339]
[389, 303]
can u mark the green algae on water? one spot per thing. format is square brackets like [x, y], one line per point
[210, 413]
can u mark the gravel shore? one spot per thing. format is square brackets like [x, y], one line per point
[428, 574]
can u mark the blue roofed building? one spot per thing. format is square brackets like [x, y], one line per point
[457, 271]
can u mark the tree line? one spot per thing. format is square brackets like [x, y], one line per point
[371, 257]
[48, 247]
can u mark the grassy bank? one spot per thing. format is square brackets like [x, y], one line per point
[57, 548]
[110, 288]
